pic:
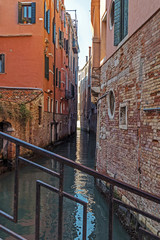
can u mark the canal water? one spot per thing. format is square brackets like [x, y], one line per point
[80, 148]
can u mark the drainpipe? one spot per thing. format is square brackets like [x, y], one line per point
[54, 77]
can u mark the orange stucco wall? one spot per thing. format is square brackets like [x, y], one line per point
[22, 46]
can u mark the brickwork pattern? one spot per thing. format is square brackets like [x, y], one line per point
[133, 73]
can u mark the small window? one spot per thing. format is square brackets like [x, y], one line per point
[111, 20]
[56, 106]
[46, 67]
[111, 103]
[59, 79]
[52, 105]
[26, 12]
[123, 116]
[56, 77]
[61, 108]
[2, 63]
[48, 105]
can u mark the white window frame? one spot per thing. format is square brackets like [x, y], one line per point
[123, 126]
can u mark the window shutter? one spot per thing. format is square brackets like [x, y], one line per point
[56, 76]
[54, 31]
[33, 5]
[3, 63]
[125, 30]
[48, 29]
[45, 23]
[19, 12]
[57, 5]
[64, 20]
[117, 22]
[62, 39]
[59, 79]
[59, 36]
[46, 67]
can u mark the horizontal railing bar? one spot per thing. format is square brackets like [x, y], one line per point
[149, 234]
[6, 215]
[44, 169]
[82, 168]
[148, 215]
[15, 235]
[49, 187]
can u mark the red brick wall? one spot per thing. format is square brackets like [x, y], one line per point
[133, 154]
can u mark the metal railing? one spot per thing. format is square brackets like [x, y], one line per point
[60, 175]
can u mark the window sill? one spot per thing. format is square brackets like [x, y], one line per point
[124, 127]
[2, 73]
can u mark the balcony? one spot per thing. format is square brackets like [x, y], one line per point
[75, 46]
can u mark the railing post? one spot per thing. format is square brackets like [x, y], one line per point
[37, 219]
[16, 184]
[111, 212]
[60, 217]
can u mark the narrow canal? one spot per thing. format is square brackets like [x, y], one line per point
[80, 148]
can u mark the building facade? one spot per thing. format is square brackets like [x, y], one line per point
[126, 43]
[37, 54]
[87, 110]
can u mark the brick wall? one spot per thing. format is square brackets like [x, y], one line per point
[131, 153]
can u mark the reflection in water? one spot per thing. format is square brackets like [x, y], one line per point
[82, 150]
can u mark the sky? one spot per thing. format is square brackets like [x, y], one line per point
[84, 26]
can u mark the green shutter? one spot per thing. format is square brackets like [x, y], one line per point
[33, 5]
[48, 30]
[125, 14]
[117, 22]
[19, 12]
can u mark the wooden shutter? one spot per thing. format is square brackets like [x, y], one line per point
[117, 22]
[33, 5]
[48, 15]
[46, 67]
[47, 21]
[59, 36]
[56, 76]
[19, 12]
[62, 39]
[125, 18]
[59, 79]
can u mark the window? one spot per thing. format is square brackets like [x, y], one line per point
[46, 67]
[61, 38]
[111, 21]
[46, 19]
[54, 31]
[40, 114]
[26, 13]
[120, 20]
[61, 108]
[48, 105]
[111, 104]
[72, 90]
[123, 116]
[56, 77]
[57, 5]
[52, 105]
[56, 106]
[2, 63]
[59, 79]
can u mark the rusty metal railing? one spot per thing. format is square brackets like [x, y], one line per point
[64, 161]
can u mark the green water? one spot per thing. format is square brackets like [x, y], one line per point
[80, 148]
